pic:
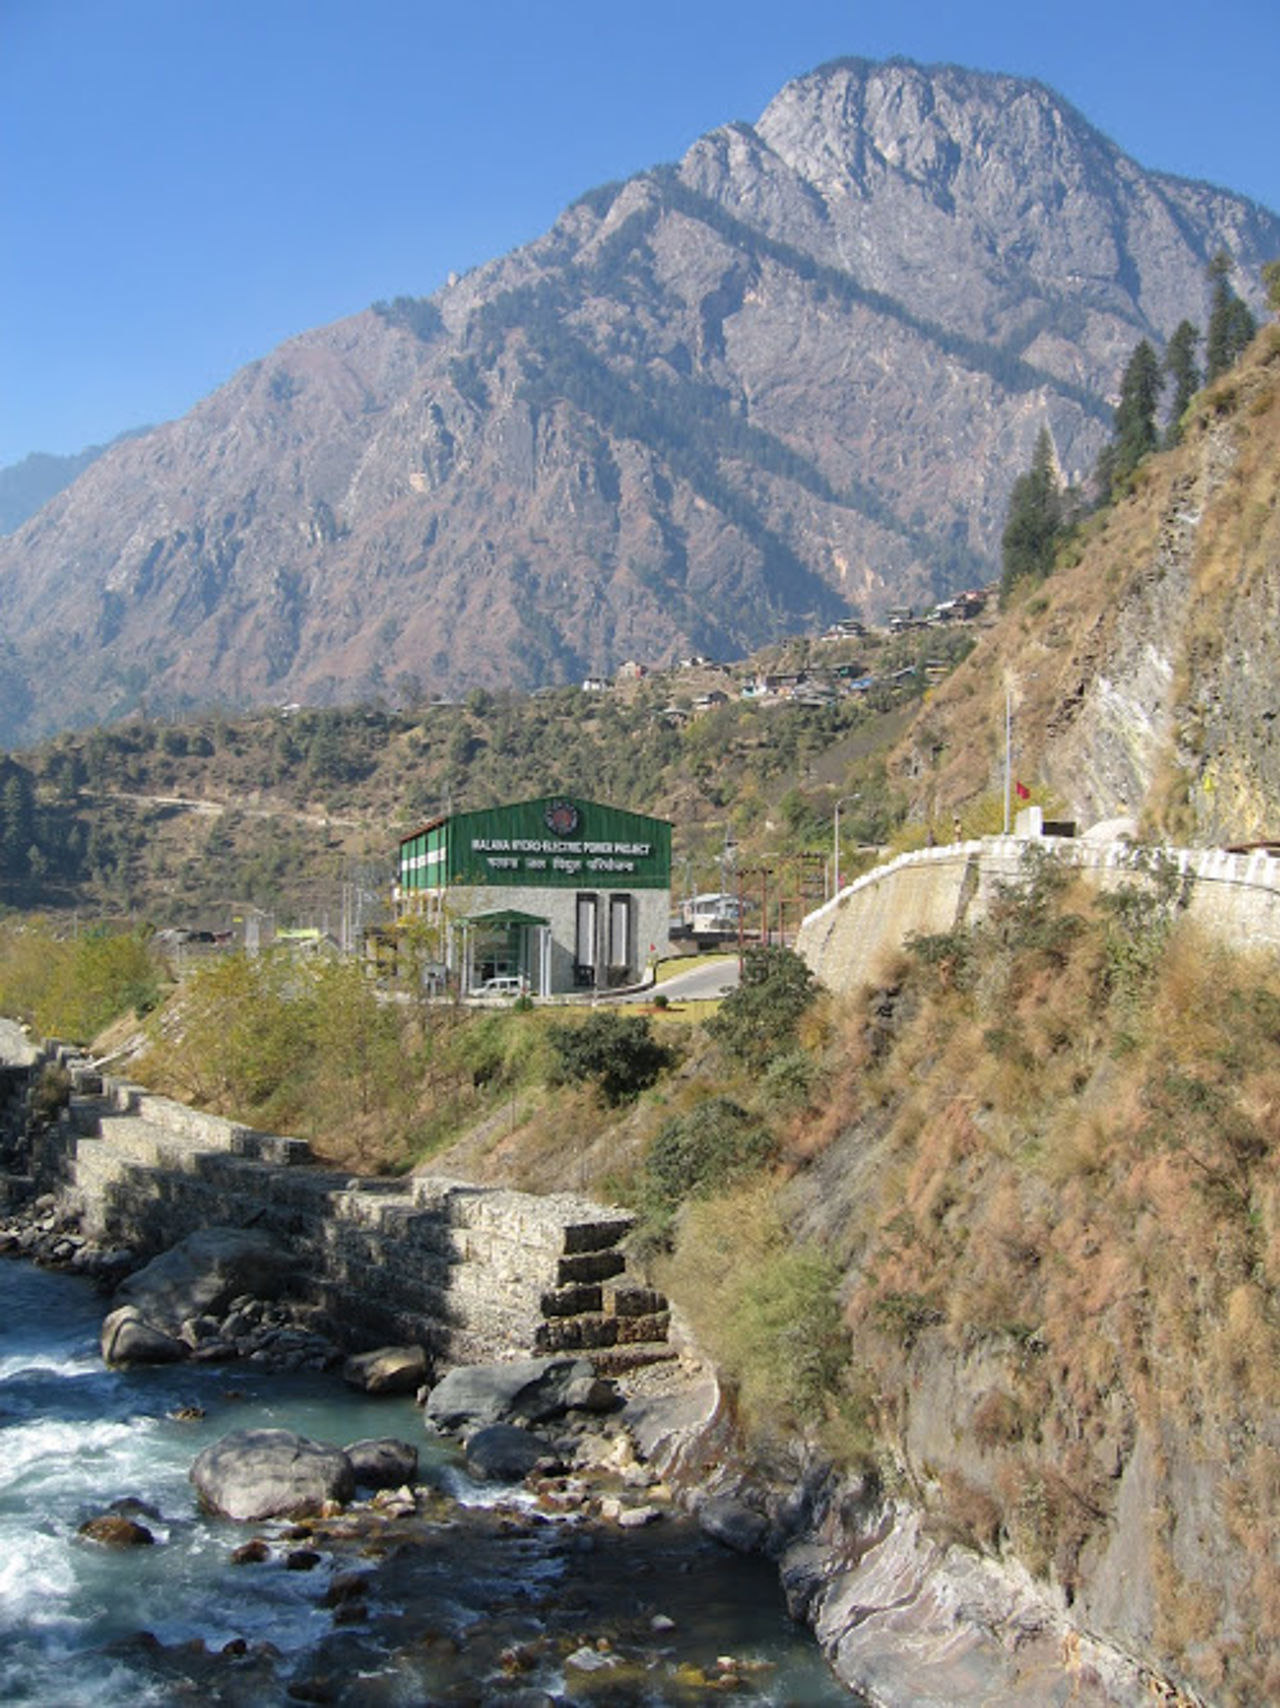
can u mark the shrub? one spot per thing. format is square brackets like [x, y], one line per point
[616, 1052]
[760, 1018]
[768, 1310]
[951, 955]
[791, 1080]
[1140, 917]
[713, 1146]
[786, 1334]
[73, 987]
[236, 1035]
[904, 1316]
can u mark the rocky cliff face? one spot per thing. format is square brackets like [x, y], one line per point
[1144, 672]
[716, 403]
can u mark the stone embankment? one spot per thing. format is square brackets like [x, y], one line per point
[469, 1273]
[1235, 897]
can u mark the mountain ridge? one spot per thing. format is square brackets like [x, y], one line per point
[792, 374]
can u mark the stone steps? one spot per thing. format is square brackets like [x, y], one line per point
[619, 1360]
[591, 1330]
[473, 1272]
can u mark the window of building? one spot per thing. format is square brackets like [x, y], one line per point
[620, 931]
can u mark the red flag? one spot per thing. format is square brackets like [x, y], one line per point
[1024, 793]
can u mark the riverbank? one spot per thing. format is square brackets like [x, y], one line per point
[447, 1590]
[906, 1614]
[902, 1615]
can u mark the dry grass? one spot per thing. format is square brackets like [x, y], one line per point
[1053, 639]
[1105, 1215]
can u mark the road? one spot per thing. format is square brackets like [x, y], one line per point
[215, 809]
[703, 983]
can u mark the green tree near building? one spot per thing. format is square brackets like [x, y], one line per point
[617, 1052]
[759, 1020]
[1034, 521]
[1180, 366]
[1231, 325]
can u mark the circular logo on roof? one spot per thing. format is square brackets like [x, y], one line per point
[562, 818]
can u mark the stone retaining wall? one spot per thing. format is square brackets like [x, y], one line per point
[1236, 897]
[472, 1273]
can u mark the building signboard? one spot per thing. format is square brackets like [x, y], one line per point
[556, 841]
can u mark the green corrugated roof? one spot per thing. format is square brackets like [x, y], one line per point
[505, 916]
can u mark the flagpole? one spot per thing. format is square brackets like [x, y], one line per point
[1008, 752]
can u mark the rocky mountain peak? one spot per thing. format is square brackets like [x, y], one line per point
[726, 400]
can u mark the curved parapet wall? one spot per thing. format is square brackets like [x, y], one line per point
[1234, 896]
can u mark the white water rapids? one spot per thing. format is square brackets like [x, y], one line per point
[76, 1437]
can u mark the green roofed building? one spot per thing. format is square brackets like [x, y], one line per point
[558, 893]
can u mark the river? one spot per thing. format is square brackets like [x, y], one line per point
[478, 1599]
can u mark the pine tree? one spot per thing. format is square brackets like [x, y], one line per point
[1271, 282]
[17, 824]
[1180, 365]
[1135, 434]
[1033, 523]
[1231, 325]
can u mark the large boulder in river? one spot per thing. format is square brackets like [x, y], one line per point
[505, 1453]
[388, 1370]
[203, 1273]
[127, 1338]
[521, 1390]
[271, 1473]
[383, 1462]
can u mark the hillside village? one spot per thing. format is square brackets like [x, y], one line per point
[822, 679]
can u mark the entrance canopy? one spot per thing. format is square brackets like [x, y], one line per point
[504, 916]
[506, 943]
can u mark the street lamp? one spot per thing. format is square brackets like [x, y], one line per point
[841, 802]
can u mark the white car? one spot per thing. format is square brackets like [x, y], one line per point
[506, 985]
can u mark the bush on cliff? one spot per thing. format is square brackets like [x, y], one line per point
[708, 1149]
[767, 1309]
[760, 1019]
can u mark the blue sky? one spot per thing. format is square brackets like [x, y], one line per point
[186, 183]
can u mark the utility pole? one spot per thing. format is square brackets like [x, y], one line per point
[728, 859]
[811, 885]
[764, 873]
[844, 799]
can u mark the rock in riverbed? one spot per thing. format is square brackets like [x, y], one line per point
[383, 1462]
[519, 1391]
[128, 1339]
[271, 1473]
[505, 1453]
[388, 1370]
[203, 1273]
